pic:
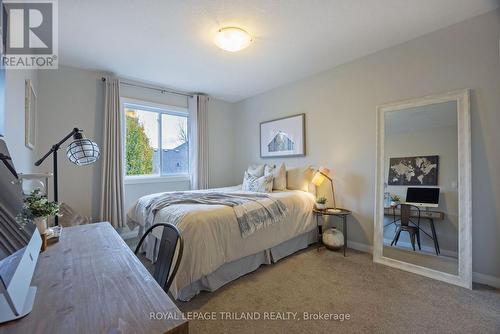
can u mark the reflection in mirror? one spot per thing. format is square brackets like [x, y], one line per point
[421, 186]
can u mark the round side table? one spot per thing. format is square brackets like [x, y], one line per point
[337, 212]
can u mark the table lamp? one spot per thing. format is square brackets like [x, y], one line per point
[81, 152]
[319, 177]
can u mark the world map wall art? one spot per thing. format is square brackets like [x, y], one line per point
[415, 171]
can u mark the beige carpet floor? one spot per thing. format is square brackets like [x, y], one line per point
[378, 299]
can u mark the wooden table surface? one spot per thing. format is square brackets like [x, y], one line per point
[91, 282]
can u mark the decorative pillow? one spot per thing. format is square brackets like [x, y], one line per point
[300, 179]
[256, 170]
[279, 176]
[263, 184]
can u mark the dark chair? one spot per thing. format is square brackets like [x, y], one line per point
[168, 243]
[405, 220]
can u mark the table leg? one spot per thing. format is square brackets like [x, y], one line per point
[434, 237]
[320, 232]
[344, 221]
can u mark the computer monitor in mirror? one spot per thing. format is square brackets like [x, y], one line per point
[20, 244]
[423, 197]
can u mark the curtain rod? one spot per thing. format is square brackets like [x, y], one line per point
[161, 90]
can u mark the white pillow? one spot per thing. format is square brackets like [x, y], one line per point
[279, 176]
[256, 170]
[263, 184]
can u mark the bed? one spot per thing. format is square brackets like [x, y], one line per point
[215, 252]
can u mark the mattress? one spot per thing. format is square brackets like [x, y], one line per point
[212, 236]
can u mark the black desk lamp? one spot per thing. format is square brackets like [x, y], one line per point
[81, 152]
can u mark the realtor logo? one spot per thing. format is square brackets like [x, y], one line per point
[29, 34]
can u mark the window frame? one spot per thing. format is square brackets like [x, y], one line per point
[159, 108]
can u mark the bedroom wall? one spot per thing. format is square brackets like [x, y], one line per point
[340, 121]
[22, 156]
[71, 97]
[67, 98]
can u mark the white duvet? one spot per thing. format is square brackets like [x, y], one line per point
[212, 236]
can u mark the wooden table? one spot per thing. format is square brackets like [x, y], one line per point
[91, 282]
[424, 214]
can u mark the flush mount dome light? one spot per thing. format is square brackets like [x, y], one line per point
[232, 39]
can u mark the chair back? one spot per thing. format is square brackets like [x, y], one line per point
[164, 273]
[406, 213]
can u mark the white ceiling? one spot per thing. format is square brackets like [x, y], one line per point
[170, 42]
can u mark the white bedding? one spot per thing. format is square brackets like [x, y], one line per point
[212, 236]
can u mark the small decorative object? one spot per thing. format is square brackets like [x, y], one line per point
[387, 199]
[420, 171]
[320, 175]
[333, 239]
[283, 137]
[321, 203]
[395, 200]
[37, 208]
[29, 115]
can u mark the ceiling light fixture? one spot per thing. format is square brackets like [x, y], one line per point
[232, 39]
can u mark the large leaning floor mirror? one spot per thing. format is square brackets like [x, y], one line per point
[423, 191]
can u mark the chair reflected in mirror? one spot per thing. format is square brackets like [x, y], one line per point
[404, 221]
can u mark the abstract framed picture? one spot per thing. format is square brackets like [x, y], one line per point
[415, 171]
[283, 137]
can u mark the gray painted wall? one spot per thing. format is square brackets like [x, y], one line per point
[68, 98]
[22, 156]
[340, 120]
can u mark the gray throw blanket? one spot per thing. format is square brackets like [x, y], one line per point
[253, 211]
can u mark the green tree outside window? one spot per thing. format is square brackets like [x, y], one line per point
[139, 153]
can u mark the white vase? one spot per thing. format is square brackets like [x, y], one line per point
[320, 206]
[41, 224]
[333, 239]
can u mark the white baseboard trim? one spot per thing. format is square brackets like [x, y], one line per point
[489, 280]
[360, 246]
[486, 279]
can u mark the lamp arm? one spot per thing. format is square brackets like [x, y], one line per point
[329, 178]
[333, 191]
[5, 159]
[55, 147]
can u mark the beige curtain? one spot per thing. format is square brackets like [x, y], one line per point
[112, 208]
[198, 142]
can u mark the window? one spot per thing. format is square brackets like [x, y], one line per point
[156, 140]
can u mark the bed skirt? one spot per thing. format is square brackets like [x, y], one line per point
[231, 271]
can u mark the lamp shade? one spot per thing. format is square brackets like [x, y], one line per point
[83, 152]
[320, 176]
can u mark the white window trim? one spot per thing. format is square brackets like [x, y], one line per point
[140, 179]
[162, 109]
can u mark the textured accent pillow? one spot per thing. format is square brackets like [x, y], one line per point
[279, 176]
[256, 170]
[263, 184]
[300, 179]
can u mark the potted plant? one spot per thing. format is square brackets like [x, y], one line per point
[37, 208]
[321, 203]
[395, 199]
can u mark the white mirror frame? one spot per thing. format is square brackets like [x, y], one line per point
[464, 277]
